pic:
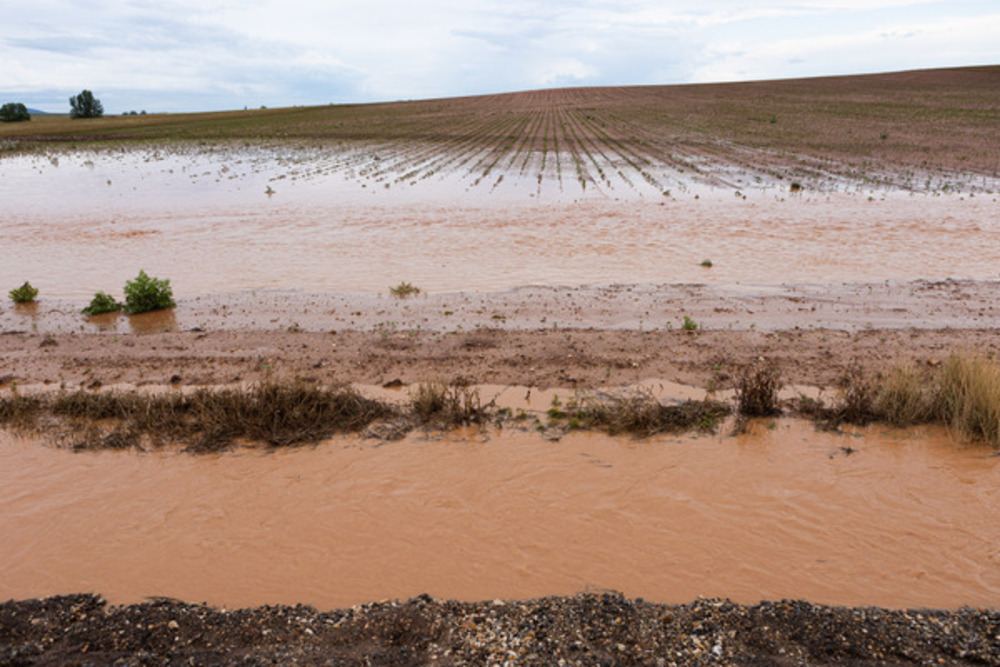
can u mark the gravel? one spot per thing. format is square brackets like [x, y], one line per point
[587, 629]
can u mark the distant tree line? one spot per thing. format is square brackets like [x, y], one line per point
[84, 105]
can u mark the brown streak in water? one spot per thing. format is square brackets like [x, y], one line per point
[906, 520]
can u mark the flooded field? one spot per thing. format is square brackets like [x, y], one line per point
[227, 220]
[877, 517]
[586, 239]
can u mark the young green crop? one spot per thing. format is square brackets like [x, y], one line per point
[145, 293]
[23, 294]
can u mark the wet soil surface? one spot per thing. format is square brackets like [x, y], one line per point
[567, 358]
[563, 337]
[588, 629]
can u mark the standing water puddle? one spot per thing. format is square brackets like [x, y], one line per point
[884, 518]
[84, 222]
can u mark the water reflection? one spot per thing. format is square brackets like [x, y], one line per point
[156, 321]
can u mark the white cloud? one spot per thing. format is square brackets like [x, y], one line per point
[182, 54]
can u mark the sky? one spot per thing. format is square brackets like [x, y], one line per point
[199, 55]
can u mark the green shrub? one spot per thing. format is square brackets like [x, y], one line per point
[403, 290]
[23, 294]
[102, 303]
[144, 294]
[689, 324]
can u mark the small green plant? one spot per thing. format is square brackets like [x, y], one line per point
[23, 294]
[102, 303]
[404, 289]
[145, 293]
[707, 263]
[689, 324]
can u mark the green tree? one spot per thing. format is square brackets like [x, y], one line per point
[13, 112]
[85, 105]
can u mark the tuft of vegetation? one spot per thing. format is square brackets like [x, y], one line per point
[85, 105]
[14, 112]
[968, 397]
[644, 415]
[403, 290]
[19, 411]
[145, 293]
[102, 303]
[689, 324]
[964, 394]
[757, 390]
[858, 395]
[207, 420]
[707, 263]
[447, 405]
[23, 294]
[905, 397]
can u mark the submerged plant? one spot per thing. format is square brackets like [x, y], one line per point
[145, 293]
[757, 391]
[24, 294]
[404, 289]
[102, 303]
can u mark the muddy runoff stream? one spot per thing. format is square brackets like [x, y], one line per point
[876, 517]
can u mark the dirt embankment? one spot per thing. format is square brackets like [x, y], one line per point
[566, 358]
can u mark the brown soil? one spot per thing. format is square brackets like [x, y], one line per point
[573, 338]
[937, 120]
[591, 629]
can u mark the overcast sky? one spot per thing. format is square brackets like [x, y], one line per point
[180, 55]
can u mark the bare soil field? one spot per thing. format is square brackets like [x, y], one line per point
[920, 145]
[889, 128]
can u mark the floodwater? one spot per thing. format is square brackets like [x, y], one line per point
[228, 220]
[897, 519]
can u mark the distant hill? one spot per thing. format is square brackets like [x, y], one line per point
[39, 112]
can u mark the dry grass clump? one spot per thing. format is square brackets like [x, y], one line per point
[19, 411]
[447, 405]
[644, 415]
[282, 414]
[963, 394]
[968, 397]
[905, 396]
[277, 414]
[857, 404]
[757, 391]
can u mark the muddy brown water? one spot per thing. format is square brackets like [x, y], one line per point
[83, 222]
[879, 517]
